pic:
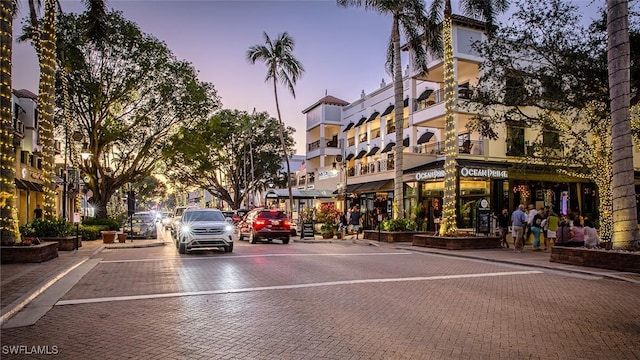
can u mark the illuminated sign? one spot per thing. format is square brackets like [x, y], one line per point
[482, 172]
[431, 174]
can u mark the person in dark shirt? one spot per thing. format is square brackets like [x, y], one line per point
[37, 212]
[503, 224]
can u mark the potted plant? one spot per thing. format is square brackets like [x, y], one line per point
[122, 237]
[327, 230]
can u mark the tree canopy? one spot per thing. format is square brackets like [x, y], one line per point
[127, 97]
[217, 154]
[546, 71]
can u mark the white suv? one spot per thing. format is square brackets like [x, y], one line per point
[204, 229]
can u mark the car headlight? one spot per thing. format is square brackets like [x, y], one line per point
[185, 229]
[228, 228]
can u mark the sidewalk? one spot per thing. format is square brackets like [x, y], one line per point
[21, 283]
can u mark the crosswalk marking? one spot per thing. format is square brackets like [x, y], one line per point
[287, 287]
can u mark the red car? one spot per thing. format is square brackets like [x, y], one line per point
[265, 224]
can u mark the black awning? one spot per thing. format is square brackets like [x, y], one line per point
[388, 110]
[388, 147]
[349, 157]
[20, 184]
[27, 185]
[373, 116]
[375, 186]
[34, 186]
[425, 137]
[361, 154]
[361, 121]
[405, 142]
[348, 127]
[425, 94]
[406, 102]
[373, 151]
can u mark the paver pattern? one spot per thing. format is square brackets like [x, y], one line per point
[545, 315]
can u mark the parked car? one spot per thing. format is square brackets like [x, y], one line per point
[141, 224]
[167, 221]
[204, 229]
[175, 222]
[264, 224]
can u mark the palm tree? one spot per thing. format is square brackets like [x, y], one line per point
[8, 212]
[487, 10]
[409, 17]
[42, 33]
[625, 222]
[282, 67]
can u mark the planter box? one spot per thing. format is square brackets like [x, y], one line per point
[67, 243]
[29, 254]
[598, 258]
[457, 243]
[390, 236]
[109, 237]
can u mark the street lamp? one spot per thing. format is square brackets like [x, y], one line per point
[343, 167]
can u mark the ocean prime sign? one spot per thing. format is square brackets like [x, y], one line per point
[483, 172]
[465, 172]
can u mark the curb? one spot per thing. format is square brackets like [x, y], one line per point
[25, 299]
[134, 246]
[510, 262]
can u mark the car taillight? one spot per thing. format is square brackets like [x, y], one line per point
[287, 224]
[258, 224]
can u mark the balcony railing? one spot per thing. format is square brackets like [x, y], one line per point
[314, 145]
[472, 147]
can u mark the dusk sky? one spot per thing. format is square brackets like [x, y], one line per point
[342, 49]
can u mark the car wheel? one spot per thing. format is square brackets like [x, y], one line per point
[252, 238]
[182, 248]
[285, 240]
[229, 248]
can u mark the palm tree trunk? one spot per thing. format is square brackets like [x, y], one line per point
[284, 147]
[625, 222]
[448, 225]
[46, 99]
[398, 189]
[8, 212]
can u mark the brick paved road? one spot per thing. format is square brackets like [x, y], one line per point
[332, 301]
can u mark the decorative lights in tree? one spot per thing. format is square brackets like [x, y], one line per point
[8, 213]
[448, 226]
[44, 41]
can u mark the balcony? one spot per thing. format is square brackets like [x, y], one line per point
[471, 147]
[313, 146]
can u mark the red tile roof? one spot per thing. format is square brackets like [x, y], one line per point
[24, 93]
[331, 100]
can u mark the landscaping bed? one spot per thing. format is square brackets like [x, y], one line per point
[598, 258]
[29, 253]
[66, 243]
[457, 242]
[390, 236]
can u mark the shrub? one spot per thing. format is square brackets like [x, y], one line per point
[112, 224]
[92, 232]
[47, 228]
[327, 213]
[399, 225]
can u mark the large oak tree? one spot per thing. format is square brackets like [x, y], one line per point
[127, 96]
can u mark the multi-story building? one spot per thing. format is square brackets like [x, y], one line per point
[28, 151]
[350, 148]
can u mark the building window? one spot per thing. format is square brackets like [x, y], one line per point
[515, 92]
[515, 140]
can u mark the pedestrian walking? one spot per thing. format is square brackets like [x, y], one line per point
[355, 219]
[503, 224]
[519, 221]
[37, 212]
[536, 229]
[552, 226]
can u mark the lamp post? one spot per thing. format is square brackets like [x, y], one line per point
[343, 168]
